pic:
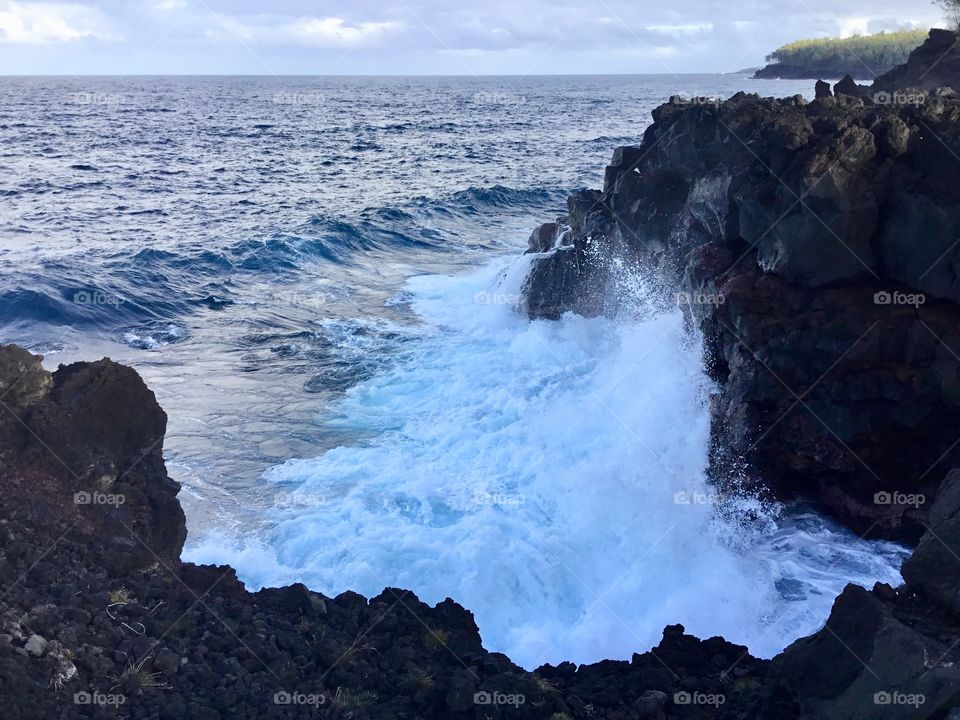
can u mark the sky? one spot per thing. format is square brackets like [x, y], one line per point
[431, 37]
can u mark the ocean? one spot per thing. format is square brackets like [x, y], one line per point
[318, 278]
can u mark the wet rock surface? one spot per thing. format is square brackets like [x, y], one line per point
[815, 246]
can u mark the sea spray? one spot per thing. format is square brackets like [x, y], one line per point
[551, 477]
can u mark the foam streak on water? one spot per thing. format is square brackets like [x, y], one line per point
[531, 472]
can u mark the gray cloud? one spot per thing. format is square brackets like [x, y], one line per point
[423, 36]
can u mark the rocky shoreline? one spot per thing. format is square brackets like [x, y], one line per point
[781, 71]
[815, 247]
[100, 618]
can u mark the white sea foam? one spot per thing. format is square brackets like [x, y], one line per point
[550, 476]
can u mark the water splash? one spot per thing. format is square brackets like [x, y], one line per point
[550, 476]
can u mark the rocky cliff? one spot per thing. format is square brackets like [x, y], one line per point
[817, 247]
[934, 64]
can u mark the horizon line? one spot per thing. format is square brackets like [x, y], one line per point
[745, 71]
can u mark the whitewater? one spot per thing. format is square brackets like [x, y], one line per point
[552, 478]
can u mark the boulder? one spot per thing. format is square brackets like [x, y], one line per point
[91, 434]
[867, 664]
[543, 238]
[934, 568]
[848, 86]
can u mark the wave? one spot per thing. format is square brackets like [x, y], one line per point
[474, 200]
[551, 477]
[141, 286]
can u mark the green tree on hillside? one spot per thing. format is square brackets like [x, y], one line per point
[863, 55]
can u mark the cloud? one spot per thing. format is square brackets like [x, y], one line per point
[46, 23]
[303, 31]
[420, 36]
[334, 31]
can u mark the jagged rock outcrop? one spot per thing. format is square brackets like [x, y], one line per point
[92, 435]
[815, 244]
[875, 660]
[100, 618]
[934, 568]
[934, 64]
[84, 635]
[890, 653]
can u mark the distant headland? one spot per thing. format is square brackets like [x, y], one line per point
[863, 57]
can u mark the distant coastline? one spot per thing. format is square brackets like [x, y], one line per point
[863, 57]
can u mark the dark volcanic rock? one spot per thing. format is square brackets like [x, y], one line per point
[934, 568]
[934, 64]
[543, 238]
[819, 243]
[890, 653]
[92, 434]
[847, 86]
[573, 255]
[99, 617]
[872, 661]
[781, 71]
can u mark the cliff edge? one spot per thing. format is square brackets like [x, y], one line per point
[815, 245]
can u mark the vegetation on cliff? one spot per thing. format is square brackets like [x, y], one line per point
[862, 56]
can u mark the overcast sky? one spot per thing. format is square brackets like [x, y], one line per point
[472, 37]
